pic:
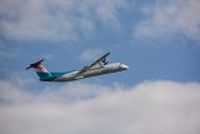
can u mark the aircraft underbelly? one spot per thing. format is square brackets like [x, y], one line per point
[95, 72]
[89, 73]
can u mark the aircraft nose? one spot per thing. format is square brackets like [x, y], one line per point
[123, 66]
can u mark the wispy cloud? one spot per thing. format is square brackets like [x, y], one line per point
[150, 107]
[166, 19]
[56, 20]
[7, 50]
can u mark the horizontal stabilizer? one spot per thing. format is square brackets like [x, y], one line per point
[35, 64]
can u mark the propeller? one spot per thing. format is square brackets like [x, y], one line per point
[105, 62]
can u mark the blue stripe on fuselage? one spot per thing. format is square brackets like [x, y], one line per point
[50, 76]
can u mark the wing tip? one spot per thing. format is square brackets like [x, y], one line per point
[108, 53]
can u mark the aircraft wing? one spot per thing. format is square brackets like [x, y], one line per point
[98, 61]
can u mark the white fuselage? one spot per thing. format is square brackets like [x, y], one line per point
[109, 68]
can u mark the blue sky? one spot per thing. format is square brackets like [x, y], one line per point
[166, 54]
[159, 40]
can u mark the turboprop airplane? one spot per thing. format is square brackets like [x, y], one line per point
[99, 67]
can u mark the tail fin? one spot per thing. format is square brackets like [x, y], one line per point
[40, 69]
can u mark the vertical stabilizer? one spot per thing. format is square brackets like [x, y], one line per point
[40, 69]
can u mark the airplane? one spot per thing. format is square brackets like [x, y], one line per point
[99, 67]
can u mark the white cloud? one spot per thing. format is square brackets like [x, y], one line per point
[11, 94]
[165, 19]
[56, 20]
[151, 107]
